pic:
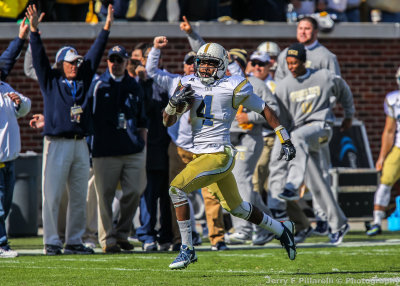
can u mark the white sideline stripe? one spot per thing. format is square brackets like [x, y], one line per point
[245, 247]
[266, 272]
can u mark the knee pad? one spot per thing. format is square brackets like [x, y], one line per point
[178, 197]
[382, 195]
[243, 210]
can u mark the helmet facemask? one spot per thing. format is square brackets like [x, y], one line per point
[211, 63]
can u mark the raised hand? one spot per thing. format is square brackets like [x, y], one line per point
[160, 42]
[110, 18]
[185, 25]
[32, 15]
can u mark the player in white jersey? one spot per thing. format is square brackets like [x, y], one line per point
[216, 99]
[389, 158]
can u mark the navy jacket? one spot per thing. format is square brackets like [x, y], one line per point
[110, 98]
[9, 57]
[57, 94]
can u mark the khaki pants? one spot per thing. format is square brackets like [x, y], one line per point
[130, 170]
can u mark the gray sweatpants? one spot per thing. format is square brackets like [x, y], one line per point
[308, 140]
[249, 151]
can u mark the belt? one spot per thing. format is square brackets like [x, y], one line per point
[74, 136]
[69, 136]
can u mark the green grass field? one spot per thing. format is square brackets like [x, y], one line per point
[358, 261]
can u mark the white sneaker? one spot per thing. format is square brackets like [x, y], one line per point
[236, 238]
[91, 245]
[7, 252]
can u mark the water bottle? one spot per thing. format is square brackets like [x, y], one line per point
[291, 15]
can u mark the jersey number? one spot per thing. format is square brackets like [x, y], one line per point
[204, 111]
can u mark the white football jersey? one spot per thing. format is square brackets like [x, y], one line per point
[392, 109]
[215, 108]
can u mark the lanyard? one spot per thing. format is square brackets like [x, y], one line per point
[73, 89]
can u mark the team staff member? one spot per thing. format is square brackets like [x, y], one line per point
[388, 161]
[12, 106]
[305, 95]
[118, 149]
[67, 122]
[318, 57]
[246, 137]
[211, 116]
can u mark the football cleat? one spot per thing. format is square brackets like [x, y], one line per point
[287, 239]
[184, 258]
[374, 230]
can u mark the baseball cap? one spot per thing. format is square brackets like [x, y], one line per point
[271, 48]
[67, 54]
[260, 56]
[119, 51]
[298, 51]
[189, 58]
[239, 55]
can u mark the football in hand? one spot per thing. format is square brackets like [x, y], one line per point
[184, 105]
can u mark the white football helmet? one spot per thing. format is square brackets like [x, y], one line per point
[214, 55]
[271, 48]
[398, 77]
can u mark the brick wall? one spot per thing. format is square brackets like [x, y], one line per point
[367, 65]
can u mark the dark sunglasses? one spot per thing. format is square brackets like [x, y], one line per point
[117, 60]
[260, 64]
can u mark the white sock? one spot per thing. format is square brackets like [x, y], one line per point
[378, 216]
[185, 228]
[271, 225]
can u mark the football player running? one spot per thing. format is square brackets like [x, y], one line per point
[216, 100]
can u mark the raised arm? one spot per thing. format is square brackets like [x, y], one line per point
[195, 40]
[93, 57]
[164, 79]
[40, 61]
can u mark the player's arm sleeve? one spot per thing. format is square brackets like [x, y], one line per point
[266, 95]
[345, 97]
[195, 41]
[243, 95]
[162, 78]
[389, 111]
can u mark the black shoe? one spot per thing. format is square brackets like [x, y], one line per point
[219, 246]
[50, 249]
[125, 245]
[289, 195]
[303, 234]
[287, 239]
[114, 248]
[322, 228]
[77, 249]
